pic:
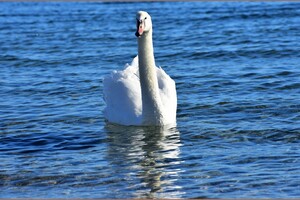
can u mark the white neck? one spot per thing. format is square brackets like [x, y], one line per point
[151, 102]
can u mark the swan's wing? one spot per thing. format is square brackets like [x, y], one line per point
[167, 90]
[122, 95]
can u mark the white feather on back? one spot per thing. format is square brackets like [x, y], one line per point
[122, 94]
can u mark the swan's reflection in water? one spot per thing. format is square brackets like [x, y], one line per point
[148, 158]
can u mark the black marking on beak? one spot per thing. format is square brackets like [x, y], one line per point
[138, 23]
[137, 34]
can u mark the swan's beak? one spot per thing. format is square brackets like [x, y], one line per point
[139, 28]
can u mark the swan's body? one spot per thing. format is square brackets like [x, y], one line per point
[141, 94]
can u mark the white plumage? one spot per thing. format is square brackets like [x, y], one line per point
[141, 94]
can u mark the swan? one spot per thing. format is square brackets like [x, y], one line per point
[141, 94]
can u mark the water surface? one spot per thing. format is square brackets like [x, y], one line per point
[236, 67]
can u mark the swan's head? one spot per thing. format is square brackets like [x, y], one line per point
[143, 23]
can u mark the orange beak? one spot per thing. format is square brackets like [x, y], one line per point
[139, 28]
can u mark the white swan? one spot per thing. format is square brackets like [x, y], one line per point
[141, 94]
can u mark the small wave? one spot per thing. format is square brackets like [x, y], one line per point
[293, 86]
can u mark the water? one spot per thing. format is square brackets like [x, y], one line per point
[236, 66]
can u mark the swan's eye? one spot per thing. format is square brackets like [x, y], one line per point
[145, 18]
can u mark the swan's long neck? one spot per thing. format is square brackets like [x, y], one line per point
[151, 102]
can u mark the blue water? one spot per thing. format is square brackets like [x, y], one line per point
[237, 72]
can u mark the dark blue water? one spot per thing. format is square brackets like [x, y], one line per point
[237, 71]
